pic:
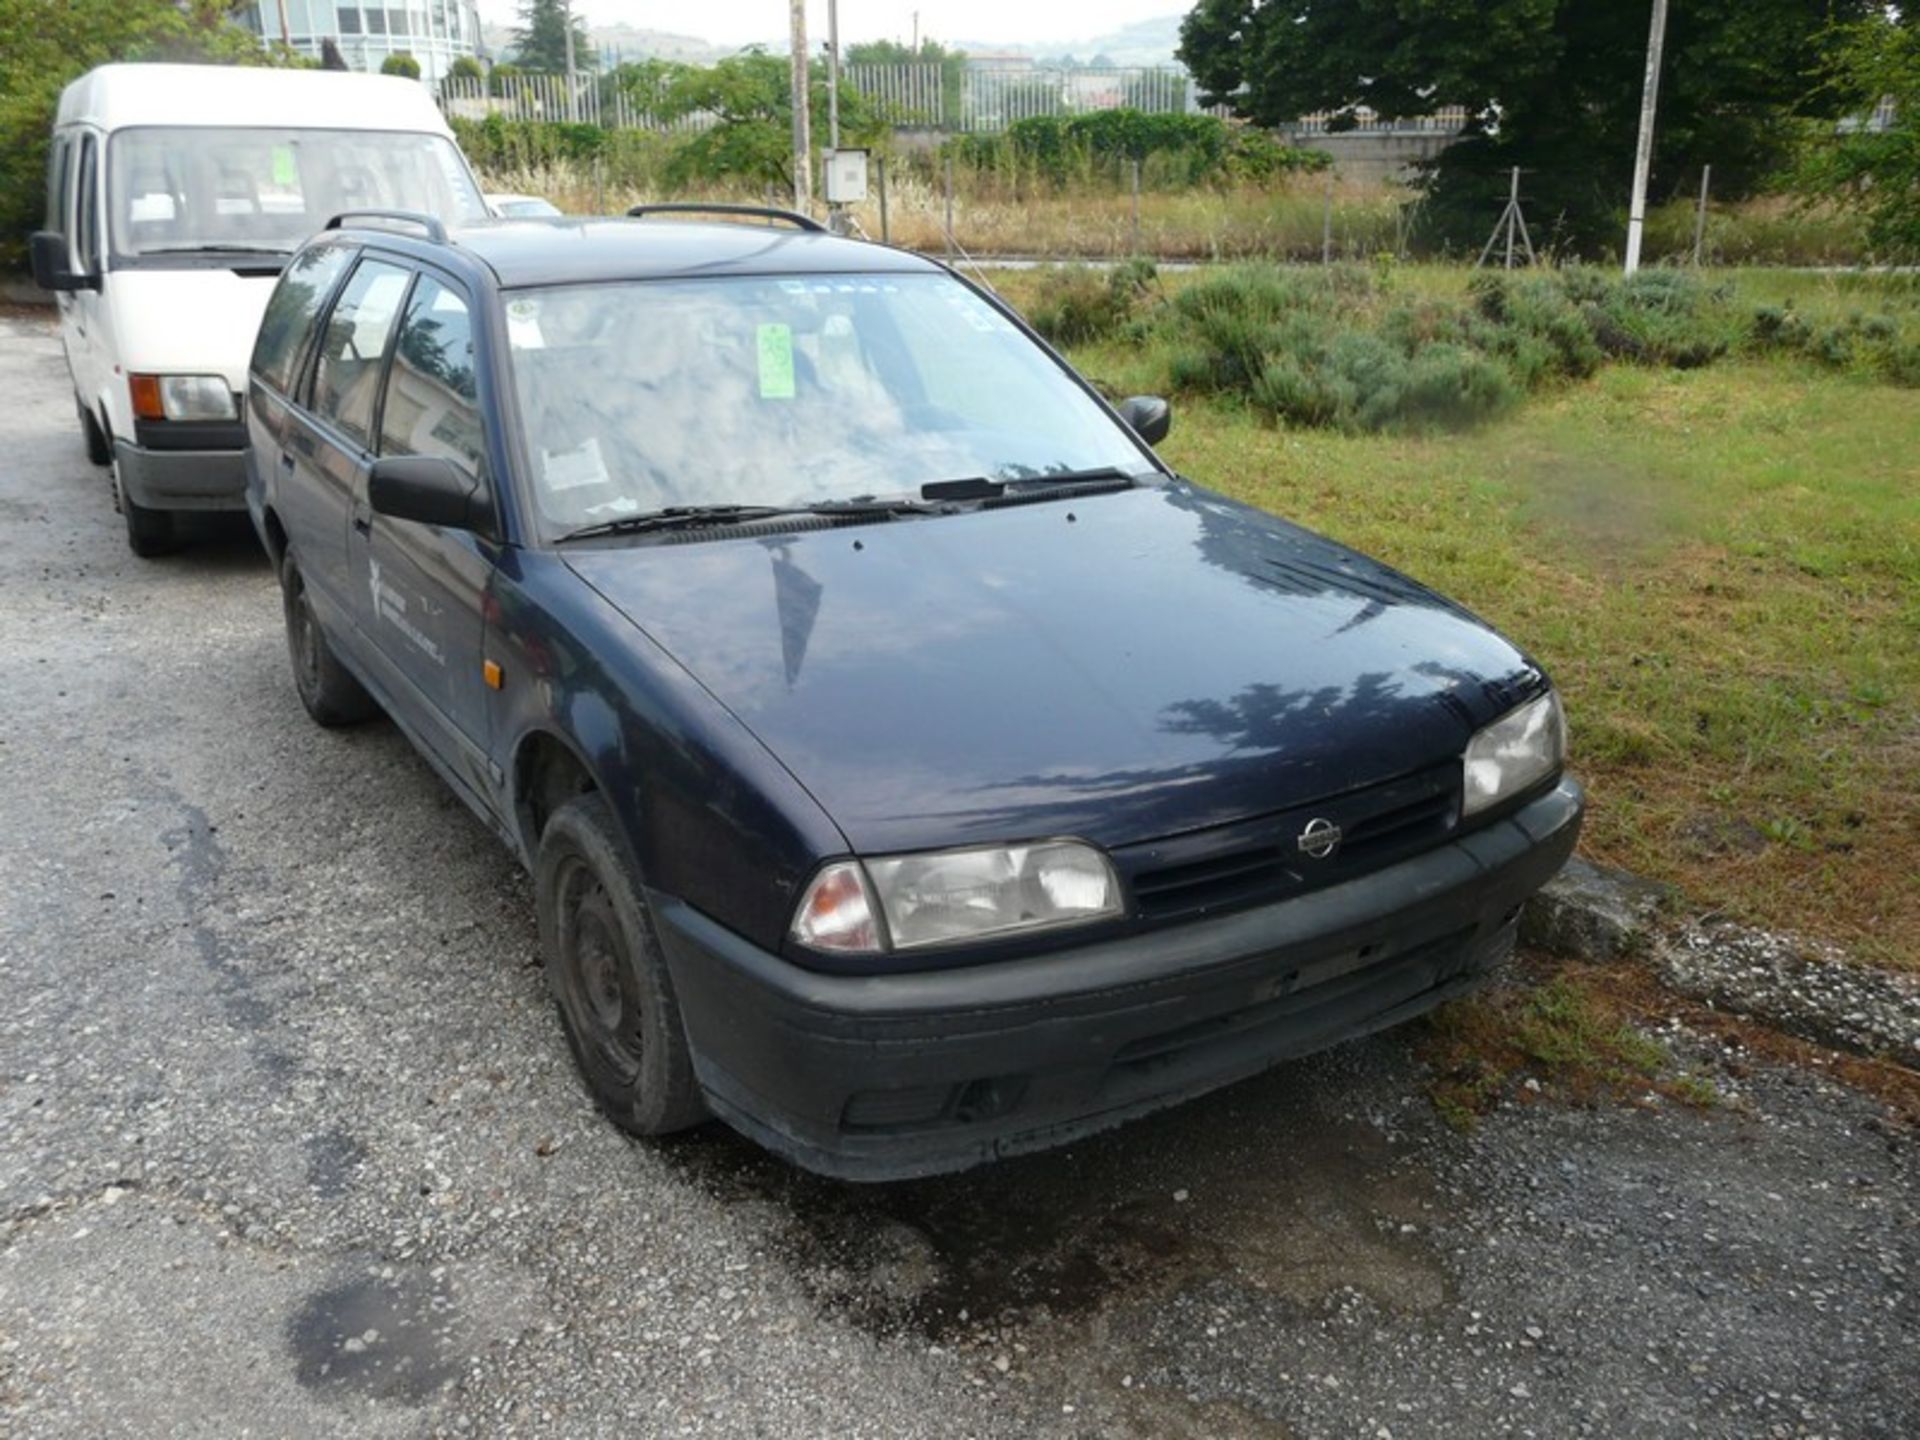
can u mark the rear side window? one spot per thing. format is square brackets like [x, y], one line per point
[297, 299]
[432, 404]
[347, 375]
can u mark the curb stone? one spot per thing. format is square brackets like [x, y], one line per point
[1795, 985]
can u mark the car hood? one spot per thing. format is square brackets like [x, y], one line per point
[1118, 666]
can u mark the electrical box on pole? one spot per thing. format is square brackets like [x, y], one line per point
[843, 176]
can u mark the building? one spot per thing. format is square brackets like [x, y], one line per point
[434, 32]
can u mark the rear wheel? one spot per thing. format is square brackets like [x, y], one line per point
[608, 976]
[149, 532]
[328, 690]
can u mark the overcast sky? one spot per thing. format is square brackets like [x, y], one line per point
[739, 22]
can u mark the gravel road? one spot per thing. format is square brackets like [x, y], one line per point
[290, 1142]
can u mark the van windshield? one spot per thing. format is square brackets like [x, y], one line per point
[177, 190]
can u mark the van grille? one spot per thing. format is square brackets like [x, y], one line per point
[1254, 861]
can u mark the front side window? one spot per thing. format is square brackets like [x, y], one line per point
[784, 390]
[86, 210]
[346, 376]
[432, 406]
[177, 190]
[57, 185]
[296, 300]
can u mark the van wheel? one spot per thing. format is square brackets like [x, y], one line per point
[98, 450]
[608, 976]
[149, 532]
[330, 693]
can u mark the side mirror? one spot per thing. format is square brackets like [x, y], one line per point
[47, 251]
[1149, 415]
[432, 490]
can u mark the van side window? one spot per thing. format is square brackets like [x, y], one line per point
[432, 403]
[296, 300]
[347, 375]
[86, 219]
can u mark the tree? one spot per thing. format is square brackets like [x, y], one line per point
[750, 96]
[401, 63]
[540, 44]
[330, 56]
[1550, 85]
[1871, 161]
[46, 43]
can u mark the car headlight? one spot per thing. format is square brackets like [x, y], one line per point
[904, 902]
[181, 397]
[1520, 749]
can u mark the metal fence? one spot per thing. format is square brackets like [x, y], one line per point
[587, 101]
[976, 99]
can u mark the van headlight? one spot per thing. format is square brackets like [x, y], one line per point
[1514, 753]
[181, 397]
[905, 902]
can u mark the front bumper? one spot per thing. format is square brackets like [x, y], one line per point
[892, 1076]
[182, 479]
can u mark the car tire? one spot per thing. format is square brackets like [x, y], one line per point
[608, 975]
[149, 532]
[326, 687]
[98, 450]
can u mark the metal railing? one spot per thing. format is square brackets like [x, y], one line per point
[978, 99]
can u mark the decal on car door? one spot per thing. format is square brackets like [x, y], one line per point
[390, 605]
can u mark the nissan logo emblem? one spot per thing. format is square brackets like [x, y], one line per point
[1320, 839]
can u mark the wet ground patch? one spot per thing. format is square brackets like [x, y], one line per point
[1261, 1184]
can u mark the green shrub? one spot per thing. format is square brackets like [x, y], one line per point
[401, 63]
[1079, 305]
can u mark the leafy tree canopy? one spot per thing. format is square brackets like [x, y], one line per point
[1872, 162]
[46, 43]
[541, 41]
[1550, 85]
[750, 94]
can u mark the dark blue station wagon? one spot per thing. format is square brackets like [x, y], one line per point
[912, 768]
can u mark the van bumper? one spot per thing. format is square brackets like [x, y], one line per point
[888, 1077]
[182, 479]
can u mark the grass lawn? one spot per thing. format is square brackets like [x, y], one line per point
[1720, 567]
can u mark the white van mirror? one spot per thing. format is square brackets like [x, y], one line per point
[48, 252]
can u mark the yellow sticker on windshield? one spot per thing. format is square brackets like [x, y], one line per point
[284, 172]
[776, 362]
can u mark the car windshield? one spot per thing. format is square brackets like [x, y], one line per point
[176, 190]
[785, 390]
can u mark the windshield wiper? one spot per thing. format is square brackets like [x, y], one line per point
[674, 517]
[1076, 477]
[217, 249]
[693, 517]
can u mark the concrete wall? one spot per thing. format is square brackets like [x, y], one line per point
[1374, 155]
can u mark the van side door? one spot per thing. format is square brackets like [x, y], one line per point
[424, 588]
[329, 440]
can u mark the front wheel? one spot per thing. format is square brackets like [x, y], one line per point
[327, 688]
[608, 976]
[149, 532]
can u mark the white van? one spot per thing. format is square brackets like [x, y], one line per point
[174, 195]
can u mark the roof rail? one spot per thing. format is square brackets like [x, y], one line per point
[701, 207]
[436, 231]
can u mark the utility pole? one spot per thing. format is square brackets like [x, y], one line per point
[802, 138]
[1643, 152]
[836, 213]
[286, 31]
[566, 14]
